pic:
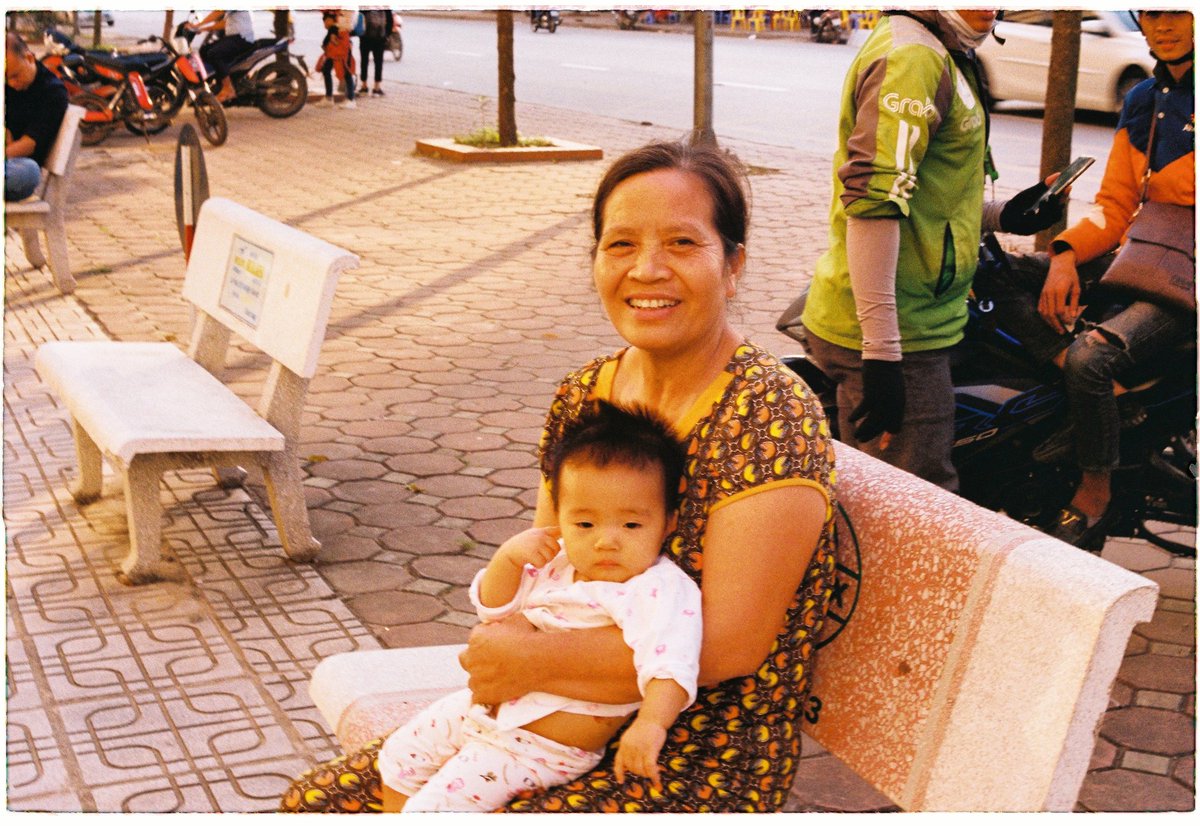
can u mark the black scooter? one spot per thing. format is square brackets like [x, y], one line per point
[268, 76]
[1010, 423]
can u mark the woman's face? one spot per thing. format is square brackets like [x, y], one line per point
[1169, 34]
[660, 266]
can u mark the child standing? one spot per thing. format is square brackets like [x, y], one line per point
[337, 56]
[614, 481]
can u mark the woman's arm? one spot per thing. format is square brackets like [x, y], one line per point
[753, 564]
[754, 561]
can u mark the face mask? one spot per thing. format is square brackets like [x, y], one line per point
[967, 36]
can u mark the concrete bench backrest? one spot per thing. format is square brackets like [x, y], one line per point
[269, 283]
[59, 160]
[979, 656]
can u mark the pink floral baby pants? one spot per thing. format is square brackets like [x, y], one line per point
[452, 757]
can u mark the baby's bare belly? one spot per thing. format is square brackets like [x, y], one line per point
[583, 731]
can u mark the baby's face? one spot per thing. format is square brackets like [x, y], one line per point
[613, 519]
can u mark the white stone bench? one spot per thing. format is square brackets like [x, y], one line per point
[971, 675]
[45, 211]
[149, 407]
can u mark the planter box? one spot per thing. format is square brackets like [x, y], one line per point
[447, 149]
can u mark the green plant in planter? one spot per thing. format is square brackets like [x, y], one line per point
[488, 137]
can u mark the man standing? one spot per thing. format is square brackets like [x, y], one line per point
[888, 299]
[35, 102]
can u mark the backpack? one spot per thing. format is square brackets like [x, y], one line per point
[375, 24]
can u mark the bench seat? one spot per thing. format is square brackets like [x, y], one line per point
[149, 407]
[117, 390]
[965, 665]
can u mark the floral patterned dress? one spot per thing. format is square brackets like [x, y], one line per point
[735, 749]
[757, 427]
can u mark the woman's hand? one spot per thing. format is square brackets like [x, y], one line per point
[491, 659]
[1059, 301]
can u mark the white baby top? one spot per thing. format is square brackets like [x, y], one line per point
[658, 612]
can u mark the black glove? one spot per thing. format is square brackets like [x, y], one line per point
[883, 399]
[1017, 218]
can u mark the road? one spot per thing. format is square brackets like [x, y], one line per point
[781, 92]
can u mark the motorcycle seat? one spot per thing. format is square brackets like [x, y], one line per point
[130, 63]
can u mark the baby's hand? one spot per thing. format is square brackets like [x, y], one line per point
[638, 751]
[536, 547]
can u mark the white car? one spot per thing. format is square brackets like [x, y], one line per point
[1113, 58]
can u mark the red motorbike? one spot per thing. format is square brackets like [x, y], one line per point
[109, 87]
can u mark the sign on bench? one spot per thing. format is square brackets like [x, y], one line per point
[970, 676]
[148, 407]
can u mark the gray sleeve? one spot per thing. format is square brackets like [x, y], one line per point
[872, 250]
[991, 215]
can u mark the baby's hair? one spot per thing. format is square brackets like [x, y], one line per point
[606, 434]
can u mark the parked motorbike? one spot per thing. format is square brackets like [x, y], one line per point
[268, 76]
[184, 79]
[828, 28]
[1010, 427]
[117, 95]
[545, 19]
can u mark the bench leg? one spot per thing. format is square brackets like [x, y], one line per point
[88, 482]
[60, 265]
[144, 512]
[33, 250]
[285, 490]
[229, 477]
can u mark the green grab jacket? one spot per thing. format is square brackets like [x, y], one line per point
[912, 143]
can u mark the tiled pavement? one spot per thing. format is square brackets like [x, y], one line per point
[471, 302]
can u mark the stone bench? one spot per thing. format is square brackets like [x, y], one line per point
[965, 666]
[149, 407]
[45, 211]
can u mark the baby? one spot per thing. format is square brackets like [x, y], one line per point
[614, 481]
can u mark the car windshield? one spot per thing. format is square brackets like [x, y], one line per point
[1125, 20]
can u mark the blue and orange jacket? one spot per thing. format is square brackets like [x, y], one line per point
[1172, 169]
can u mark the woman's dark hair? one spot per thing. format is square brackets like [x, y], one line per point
[606, 434]
[721, 172]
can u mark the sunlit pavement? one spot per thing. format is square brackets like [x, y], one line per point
[472, 300]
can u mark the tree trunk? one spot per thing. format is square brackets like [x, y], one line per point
[96, 21]
[168, 24]
[1059, 120]
[506, 103]
[702, 80]
[280, 24]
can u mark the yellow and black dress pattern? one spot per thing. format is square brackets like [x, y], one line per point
[735, 749]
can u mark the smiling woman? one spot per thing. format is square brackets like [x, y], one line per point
[670, 223]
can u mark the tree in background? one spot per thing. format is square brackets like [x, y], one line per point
[1059, 117]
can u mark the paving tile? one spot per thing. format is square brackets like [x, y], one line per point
[1150, 730]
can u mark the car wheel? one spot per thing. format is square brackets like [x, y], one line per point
[1129, 78]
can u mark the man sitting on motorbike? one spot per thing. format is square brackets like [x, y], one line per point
[223, 53]
[1039, 299]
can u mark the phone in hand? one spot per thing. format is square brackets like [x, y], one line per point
[1065, 178]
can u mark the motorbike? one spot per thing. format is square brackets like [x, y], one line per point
[184, 80]
[169, 78]
[109, 86]
[828, 28]
[627, 20]
[268, 76]
[544, 19]
[1011, 440]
